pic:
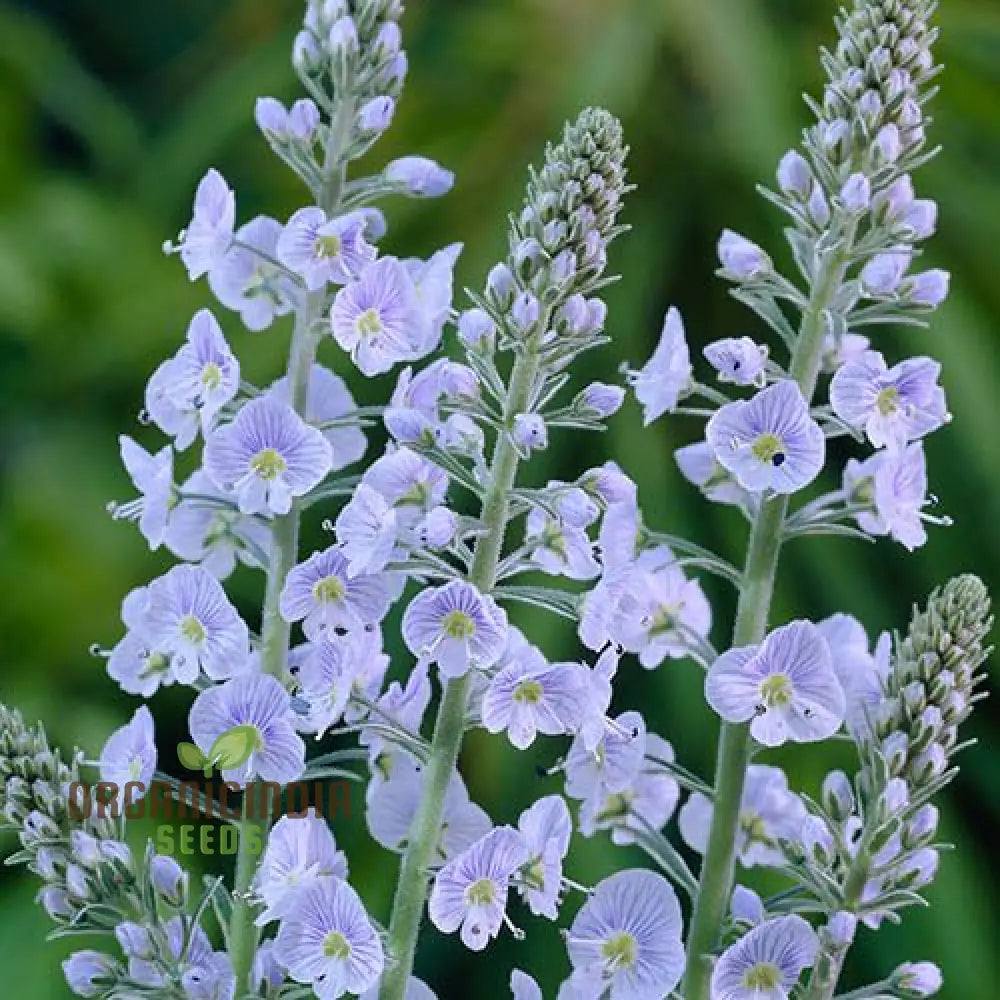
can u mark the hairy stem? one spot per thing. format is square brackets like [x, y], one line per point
[411, 892]
[275, 631]
[754, 608]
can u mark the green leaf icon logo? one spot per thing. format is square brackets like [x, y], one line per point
[191, 757]
[233, 748]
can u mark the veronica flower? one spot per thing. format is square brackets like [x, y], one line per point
[699, 466]
[134, 664]
[245, 279]
[153, 477]
[523, 987]
[328, 401]
[526, 699]
[660, 614]
[326, 678]
[420, 176]
[895, 483]
[918, 979]
[189, 618]
[560, 547]
[860, 673]
[90, 973]
[367, 531]
[378, 318]
[214, 536]
[300, 852]
[838, 350]
[666, 377]
[769, 812]
[328, 941]
[882, 275]
[322, 594]
[198, 967]
[267, 456]
[406, 705]
[455, 626]
[298, 122]
[210, 231]
[546, 829]
[324, 250]
[893, 405]
[259, 701]
[408, 481]
[741, 259]
[626, 939]
[738, 360]
[432, 282]
[769, 442]
[787, 687]
[767, 962]
[470, 892]
[129, 756]
[612, 764]
[595, 698]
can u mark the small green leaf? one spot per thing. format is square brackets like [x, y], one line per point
[233, 748]
[191, 757]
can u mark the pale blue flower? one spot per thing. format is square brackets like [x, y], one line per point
[767, 962]
[433, 281]
[700, 467]
[738, 360]
[326, 678]
[860, 673]
[328, 941]
[420, 176]
[324, 250]
[299, 122]
[795, 176]
[470, 891]
[378, 318]
[90, 973]
[918, 979]
[746, 906]
[246, 281]
[928, 288]
[546, 829]
[267, 456]
[741, 260]
[529, 433]
[769, 442]
[301, 851]
[256, 700]
[456, 627]
[523, 987]
[411, 483]
[769, 813]
[214, 536]
[367, 530]
[666, 377]
[204, 374]
[892, 405]
[210, 231]
[376, 115]
[189, 618]
[883, 274]
[323, 595]
[153, 476]
[477, 330]
[612, 764]
[786, 687]
[856, 193]
[168, 879]
[204, 973]
[559, 546]
[626, 939]
[129, 756]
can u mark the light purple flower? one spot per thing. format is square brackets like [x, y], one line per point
[367, 530]
[666, 377]
[602, 400]
[786, 687]
[560, 547]
[247, 281]
[860, 673]
[612, 764]
[455, 626]
[376, 115]
[256, 700]
[769, 442]
[168, 879]
[700, 467]
[329, 941]
[527, 698]
[301, 851]
[204, 974]
[741, 259]
[626, 938]
[660, 614]
[214, 535]
[378, 318]
[928, 288]
[210, 230]
[838, 351]
[546, 830]
[529, 433]
[322, 594]
[129, 756]
[767, 962]
[856, 193]
[433, 281]
[795, 176]
[153, 476]
[323, 249]
[769, 812]
[267, 456]
[918, 979]
[470, 892]
[893, 405]
[746, 906]
[882, 275]
[523, 987]
[738, 360]
[326, 678]
[420, 176]
[90, 973]
[299, 122]
[411, 483]
[189, 618]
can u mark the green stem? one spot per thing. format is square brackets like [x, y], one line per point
[411, 892]
[275, 631]
[754, 608]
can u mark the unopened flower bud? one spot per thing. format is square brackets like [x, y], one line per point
[918, 980]
[884, 272]
[89, 973]
[795, 176]
[476, 329]
[168, 879]
[501, 287]
[856, 194]
[601, 400]
[525, 312]
[929, 288]
[420, 176]
[740, 258]
[439, 528]
[303, 119]
[840, 929]
[530, 432]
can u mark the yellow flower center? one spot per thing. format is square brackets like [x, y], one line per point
[211, 376]
[369, 324]
[480, 893]
[458, 625]
[764, 976]
[192, 629]
[528, 693]
[769, 448]
[776, 690]
[752, 826]
[335, 945]
[329, 590]
[888, 401]
[268, 464]
[328, 246]
[620, 951]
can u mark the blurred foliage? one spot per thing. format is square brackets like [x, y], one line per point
[110, 113]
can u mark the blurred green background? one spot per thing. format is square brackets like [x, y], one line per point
[109, 114]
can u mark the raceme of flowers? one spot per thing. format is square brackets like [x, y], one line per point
[442, 526]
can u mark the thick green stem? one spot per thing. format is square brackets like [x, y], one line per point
[275, 631]
[414, 876]
[754, 608]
